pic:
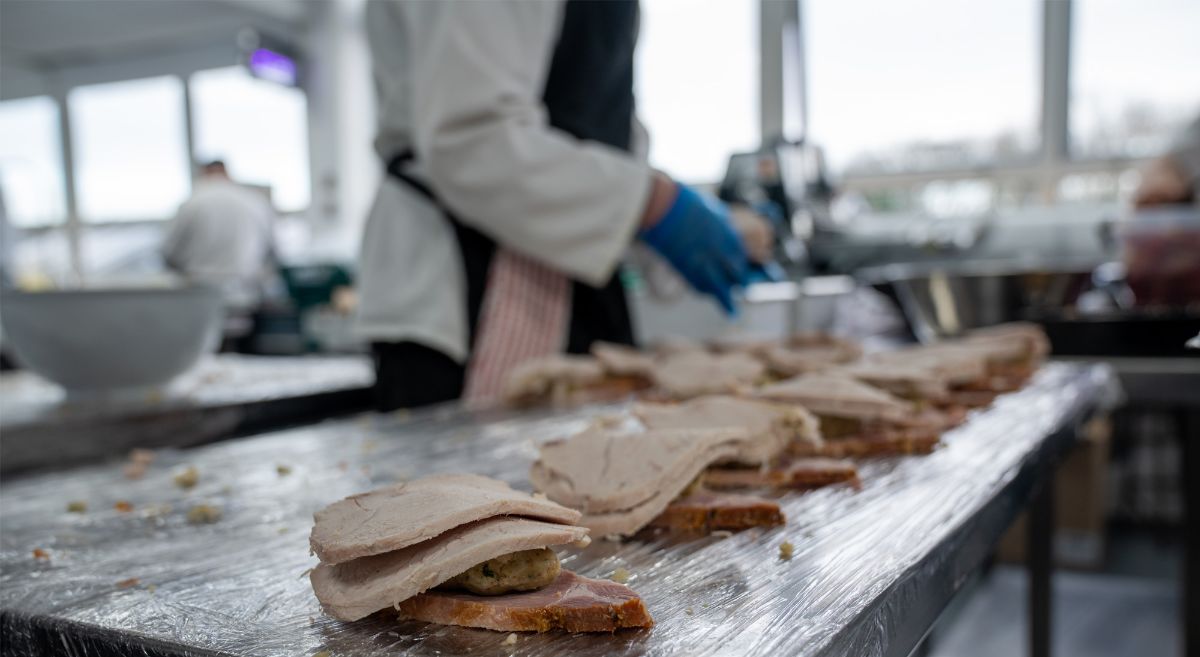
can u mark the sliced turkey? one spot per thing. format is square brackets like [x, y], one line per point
[695, 373]
[622, 480]
[358, 588]
[772, 427]
[405, 514]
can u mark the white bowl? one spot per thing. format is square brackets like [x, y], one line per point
[112, 339]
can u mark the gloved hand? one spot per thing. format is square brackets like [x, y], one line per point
[696, 236]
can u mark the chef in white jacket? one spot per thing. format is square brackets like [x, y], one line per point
[508, 132]
[222, 235]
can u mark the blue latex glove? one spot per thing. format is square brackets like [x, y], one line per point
[696, 236]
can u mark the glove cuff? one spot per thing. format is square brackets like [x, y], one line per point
[663, 231]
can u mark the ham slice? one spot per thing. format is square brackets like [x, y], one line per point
[358, 588]
[622, 481]
[771, 426]
[798, 474]
[405, 514]
[695, 373]
[706, 511]
[572, 603]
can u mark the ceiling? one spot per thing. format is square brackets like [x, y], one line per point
[49, 33]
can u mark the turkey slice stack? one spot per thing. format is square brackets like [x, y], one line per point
[622, 481]
[461, 550]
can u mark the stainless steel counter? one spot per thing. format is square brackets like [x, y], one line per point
[870, 572]
[223, 396]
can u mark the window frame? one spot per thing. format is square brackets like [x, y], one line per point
[1042, 171]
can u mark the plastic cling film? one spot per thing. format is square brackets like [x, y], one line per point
[864, 565]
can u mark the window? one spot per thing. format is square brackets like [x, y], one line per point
[1136, 75]
[923, 84]
[697, 84]
[260, 130]
[130, 149]
[31, 176]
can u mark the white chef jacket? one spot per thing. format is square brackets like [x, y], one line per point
[461, 84]
[222, 235]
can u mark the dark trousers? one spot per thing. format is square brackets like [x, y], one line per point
[411, 375]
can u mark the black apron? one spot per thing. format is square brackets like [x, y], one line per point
[589, 95]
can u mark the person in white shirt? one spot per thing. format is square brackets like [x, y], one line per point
[222, 236]
[516, 183]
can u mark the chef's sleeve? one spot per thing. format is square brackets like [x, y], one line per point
[487, 150]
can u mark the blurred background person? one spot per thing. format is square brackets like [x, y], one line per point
[222, 235]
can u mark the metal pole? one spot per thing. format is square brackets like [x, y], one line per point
[189, 126]
[74, 224]
[771, 17]
[800, 59]
[1040, 559]
[1056, 87]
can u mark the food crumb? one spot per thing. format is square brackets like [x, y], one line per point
[188, 478]
[621, 576]
[583, 542]
[143, 456]
[721, 533]
[786, 549]
[511, 640]
[77, 507]
[39, 553]
[123, 506]
[323, 653]
[203, 514]
[127, 583]
[283, 470]
[688, 611]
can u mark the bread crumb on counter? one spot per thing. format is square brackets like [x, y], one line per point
[188, 478]
[128, 583]
[720, 533]
[511, 639]
[39, 553]
[621, 576]
[283, 470]
[583, 542]
[323, 653]
[77, 507]
[139, 461]
[203, 514]
[786, 549]
[123, 506]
